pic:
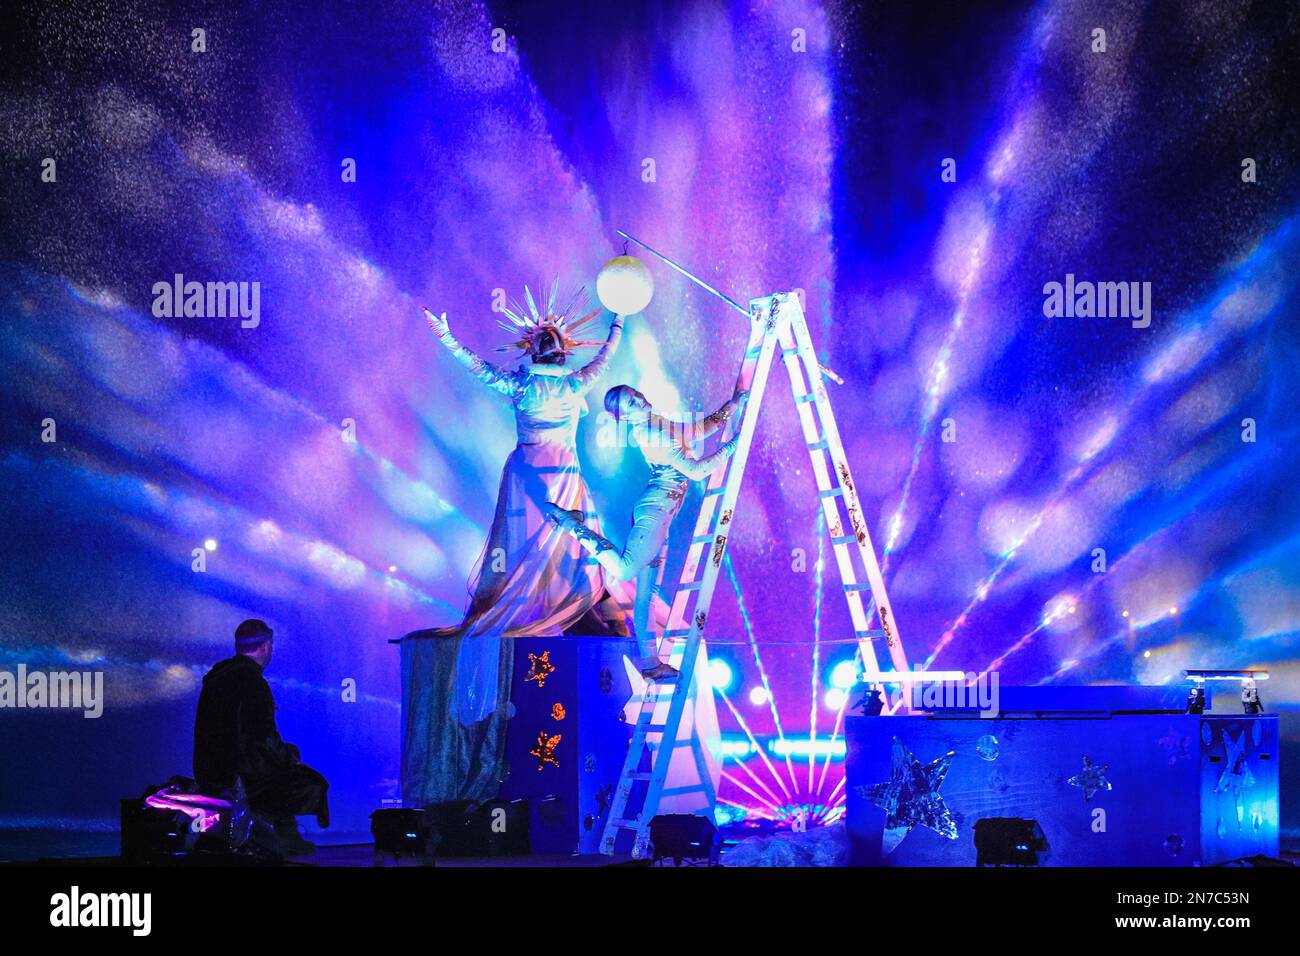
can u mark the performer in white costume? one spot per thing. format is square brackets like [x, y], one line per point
[666, 444]
[531, 580]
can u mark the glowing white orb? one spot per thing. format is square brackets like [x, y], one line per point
[844, 675]
[719, 674]
[625, 285]
[210, 544]
[758, 695]
[835, 698]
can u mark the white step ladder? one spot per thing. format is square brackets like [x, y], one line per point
[776, 321]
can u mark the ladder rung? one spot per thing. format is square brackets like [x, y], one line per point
[858, 586]
[702, 538]
[677, 632]
[654, 699]
[678, 791]
[721, 489]
[640, 775]
[692, 586]
[625, 824]
[831, 493]
[805, 398]
[868, 635]
[819, 445]
[844, 539]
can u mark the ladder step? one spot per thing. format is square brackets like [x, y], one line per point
[860, 586]
[831, 493]
[625, 824]
[677, 632]
[805, 398]
[721, 489]
[868, 635]
[819, 445]
[702, 538]
[844, 539]
[693, 586]
[678, 791]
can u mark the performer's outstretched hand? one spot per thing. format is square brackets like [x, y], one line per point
[437, 323]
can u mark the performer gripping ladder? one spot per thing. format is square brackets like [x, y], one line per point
[666, 445]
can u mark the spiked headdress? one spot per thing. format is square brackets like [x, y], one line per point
[531, 323]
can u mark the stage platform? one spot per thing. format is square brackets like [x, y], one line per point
[349, 855]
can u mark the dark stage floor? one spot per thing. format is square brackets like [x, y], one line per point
[99, 848]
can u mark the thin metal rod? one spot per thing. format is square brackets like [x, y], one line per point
[708, 288]
[696, 279]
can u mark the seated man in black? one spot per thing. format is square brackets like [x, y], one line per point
[235, 735]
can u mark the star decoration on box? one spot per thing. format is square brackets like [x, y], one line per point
[539, 668]
[911, 797]
[545, 750]
[557, 712]
[1236, 775]
[1091, 778]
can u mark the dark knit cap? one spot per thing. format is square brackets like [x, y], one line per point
[251, 633]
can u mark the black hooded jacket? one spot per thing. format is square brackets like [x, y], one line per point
[234, 729]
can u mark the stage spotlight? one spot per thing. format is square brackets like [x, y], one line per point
[872, 703]
[403, 832]
[685, 837]
[758, 695]
[1009, 841]
[1250, 702]
[844, 675]
[835, 698]
[210, 544]
[720, 674]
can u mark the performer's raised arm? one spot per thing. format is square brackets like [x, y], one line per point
[697, 468]
[492, 376]
[696, 429]
[586, 376]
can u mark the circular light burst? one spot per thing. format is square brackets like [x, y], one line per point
[758, 695]
[720, 674]
[844, 675]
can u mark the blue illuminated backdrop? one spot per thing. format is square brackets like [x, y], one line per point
[768, 147]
